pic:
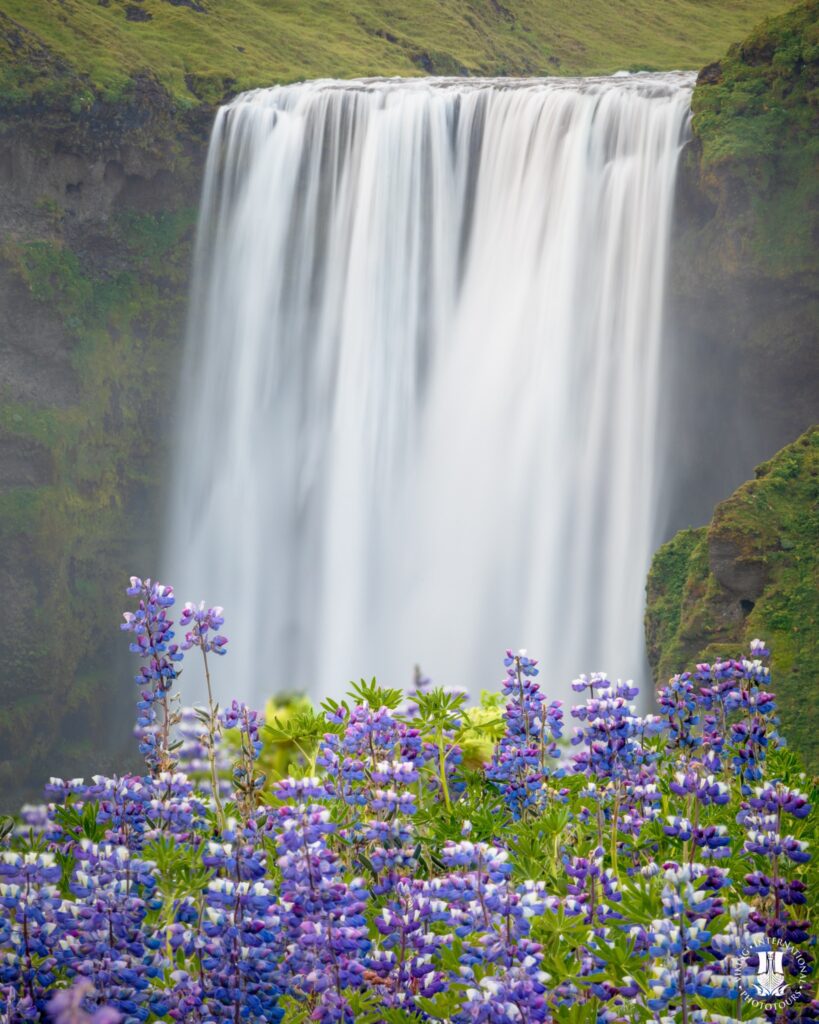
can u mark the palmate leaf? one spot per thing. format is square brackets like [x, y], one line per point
[368, 1008]
[580, 1013]
[67, 862]
[81, 823]
[561, 935]
[391, 1016]
[375, 696]
[536, 845]
[438, 709]
[303, 727]
[481, 805]
[443, 1007]
[180, 869]
[485, 721]
[641, 902]
[295, 1012]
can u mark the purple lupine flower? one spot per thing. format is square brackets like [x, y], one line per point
[203, 621]
[71, 1006]
[520, 763]
[152, 640]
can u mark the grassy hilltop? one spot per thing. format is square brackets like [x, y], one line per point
[201, 50]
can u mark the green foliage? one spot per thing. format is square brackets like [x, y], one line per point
[80, 822]
[180, 872]
[669, 572]
[291, 736]
[482, 727]
[439, 710]
[764, 91]
[771, 522]
[371, 693]
[482, 807]
[151, 237]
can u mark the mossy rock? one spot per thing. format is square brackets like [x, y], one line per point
[753, 572]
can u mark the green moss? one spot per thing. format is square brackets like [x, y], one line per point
[45, 426]
[766, 87]
[20, 511]
[666, 582]
[53, 274]
[772, 520]
[152, 236]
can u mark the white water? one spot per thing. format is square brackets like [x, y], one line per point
[420, 407]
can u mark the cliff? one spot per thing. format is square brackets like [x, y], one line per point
[745, 301]
[752, 572]
[745, 269]
[96, 219]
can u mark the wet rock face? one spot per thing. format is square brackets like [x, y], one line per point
[96, 223]
[738, 573]
[24, 463]
[743, 365]
[711, 74]
[43, 177]
[35, 348]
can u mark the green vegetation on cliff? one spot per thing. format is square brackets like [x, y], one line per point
[71, 524]
[753, 572]
[201, 50]
[756, 114]
[745, 281]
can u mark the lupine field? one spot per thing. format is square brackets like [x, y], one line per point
[404, 857]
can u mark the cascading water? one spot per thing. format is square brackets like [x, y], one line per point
[420, 403]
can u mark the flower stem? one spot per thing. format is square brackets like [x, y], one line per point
[212, 726]
[442, 770]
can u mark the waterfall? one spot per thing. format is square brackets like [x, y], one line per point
[420, 414]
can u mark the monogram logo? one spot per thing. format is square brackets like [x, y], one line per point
[775, 980]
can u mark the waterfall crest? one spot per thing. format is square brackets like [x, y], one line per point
[420, 409]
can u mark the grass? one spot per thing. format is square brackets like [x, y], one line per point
[202, 50]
